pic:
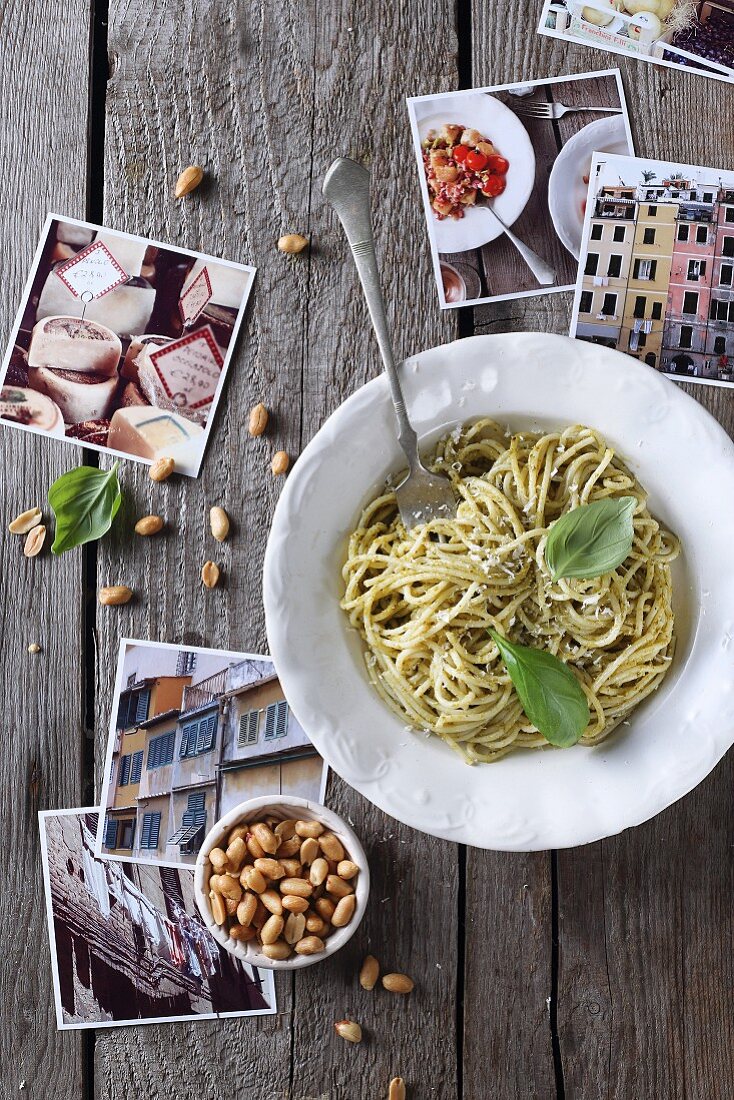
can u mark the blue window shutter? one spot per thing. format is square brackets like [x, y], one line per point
[110, 833]
[270, 712]
[141, 708]
[145, 833]
[136, 767]
[152, 753]
[167, 751]
[248, 728]
[124, 771]
[281, 718]
[188, 740]
[155, 828]
[205, 736]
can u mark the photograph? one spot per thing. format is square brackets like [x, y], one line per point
[656, 278]
[195, 732]
[503, 174]
[122, 344]
[128, 945]
[695, 36]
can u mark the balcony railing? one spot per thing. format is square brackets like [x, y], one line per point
[204, 692]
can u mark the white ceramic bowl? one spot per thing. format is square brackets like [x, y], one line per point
[254, 809]
[528, 800]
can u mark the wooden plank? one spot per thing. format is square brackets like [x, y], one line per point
[645, 933]
[43, 694]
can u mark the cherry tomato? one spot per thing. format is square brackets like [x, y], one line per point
[460, 153]
[498, 164]
[494, 185]
[477, 161]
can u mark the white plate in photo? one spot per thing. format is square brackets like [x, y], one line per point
[530, 799]
[499, 125]
[566, 188]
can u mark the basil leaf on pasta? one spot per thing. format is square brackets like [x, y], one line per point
[551, 696]
[85, 501]
[591, 540]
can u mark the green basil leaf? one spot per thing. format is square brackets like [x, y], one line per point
[85, 501]
[591, 540]
[551, 696]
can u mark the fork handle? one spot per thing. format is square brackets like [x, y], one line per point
[542, 271]
[346, 188]
[600, 110]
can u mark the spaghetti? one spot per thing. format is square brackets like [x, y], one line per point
[423, 601]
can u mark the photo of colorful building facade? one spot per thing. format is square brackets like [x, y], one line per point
[657, 268]
[195, 734]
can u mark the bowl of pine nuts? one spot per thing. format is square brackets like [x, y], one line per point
[281, 883]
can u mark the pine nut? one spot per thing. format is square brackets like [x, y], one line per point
[344, 911]
[149, 525]
[236, 853]
[397, 983]
[279, 950]
[309, 945]
[246, 909]
[292, 243]
[258, 421]
[114, 594]
[210, 574]
[309, 828]
[34, 541]
[346, 869]
[272, 928]
[331, 846]
[297, 886]
[397, 1089]
[294, 904]
[242, 932]
[25, 522]
[217, 906]
[271, 868]
[272, 902]
[219, 523]
[294, 927]
[285, 829]
[239, 830]
[254, 847]
[288, 848]
[280, 463]
[337, 887]
[349, 1030]
[254, 880]
[161, 469]
[218, 860]
[188, 181]
[292, 867]
[227, 886]
[319, 871]
[369, 973]
[265, 837]
[325, 907]
[315, 924]
[309, 850]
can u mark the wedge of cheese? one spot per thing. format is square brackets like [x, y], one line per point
[68, 343]
[80, 396]
[149, 433]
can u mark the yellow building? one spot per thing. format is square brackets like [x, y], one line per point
[154, 792]
[138, 702]
[607, 265]
[647, 287]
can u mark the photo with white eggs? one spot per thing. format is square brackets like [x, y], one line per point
[122, 344]
[503, 175]
[695, 36]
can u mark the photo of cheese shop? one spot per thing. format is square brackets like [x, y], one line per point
[121, 344]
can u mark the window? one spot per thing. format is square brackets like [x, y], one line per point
[110, 833]
[136, 766]
[690, 302]
[641, 339]
[708, 196]
[657, 311]
[720, 345]
[696, 269]
[648, 236]
[702, 234]
[250, 721]
[124, 771]
[193, 821]
[160, 750]
[132, 708]
[112, 772]
[729, 214]
[592, 263]
[620, 232]
[151, 830]
[276, 715]
[596, 231]
[615, 267]
[727, 248]
[126, 833]
[640, 303]
[686, 336]
[652, 211]
[198, 736]
[721, 311]
[725, 274]
[609, 305]
[645, 269]
[683, 231]
[186, 662]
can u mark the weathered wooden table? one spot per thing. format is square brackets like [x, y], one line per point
[607, 971]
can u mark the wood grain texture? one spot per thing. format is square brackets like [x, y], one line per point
[43, 694]
[644, 954]
[265, 99]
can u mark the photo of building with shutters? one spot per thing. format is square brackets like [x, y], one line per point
[656, 274]
[194, 733]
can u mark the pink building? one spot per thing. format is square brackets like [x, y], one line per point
[720, 335]
[691, 275]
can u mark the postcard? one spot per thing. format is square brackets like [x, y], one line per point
[128, 945]
[694, 35]
[122, 344]
[656, 278]
[503, 176]
[193, 733]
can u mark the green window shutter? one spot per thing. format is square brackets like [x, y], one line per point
[167, 742]
[145, 832]
[205, 736]
[270, 715]
[248, 728]
[281, 718]
[155, 829]
[152, 760]
[124, 771]
[136, 767]
[141, 706]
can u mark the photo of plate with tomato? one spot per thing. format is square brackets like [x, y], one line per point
[569, 179]
[478, 155]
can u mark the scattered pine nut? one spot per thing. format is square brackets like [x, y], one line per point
[280, 463]
[34, 647]
[369, 973]
[161, 469]
[292, 243]
[188, 181]
[258, 420]
[349, 1030]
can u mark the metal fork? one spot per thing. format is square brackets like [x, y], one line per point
[557, 110]
[422, 496]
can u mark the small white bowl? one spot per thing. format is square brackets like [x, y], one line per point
[255, 809]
